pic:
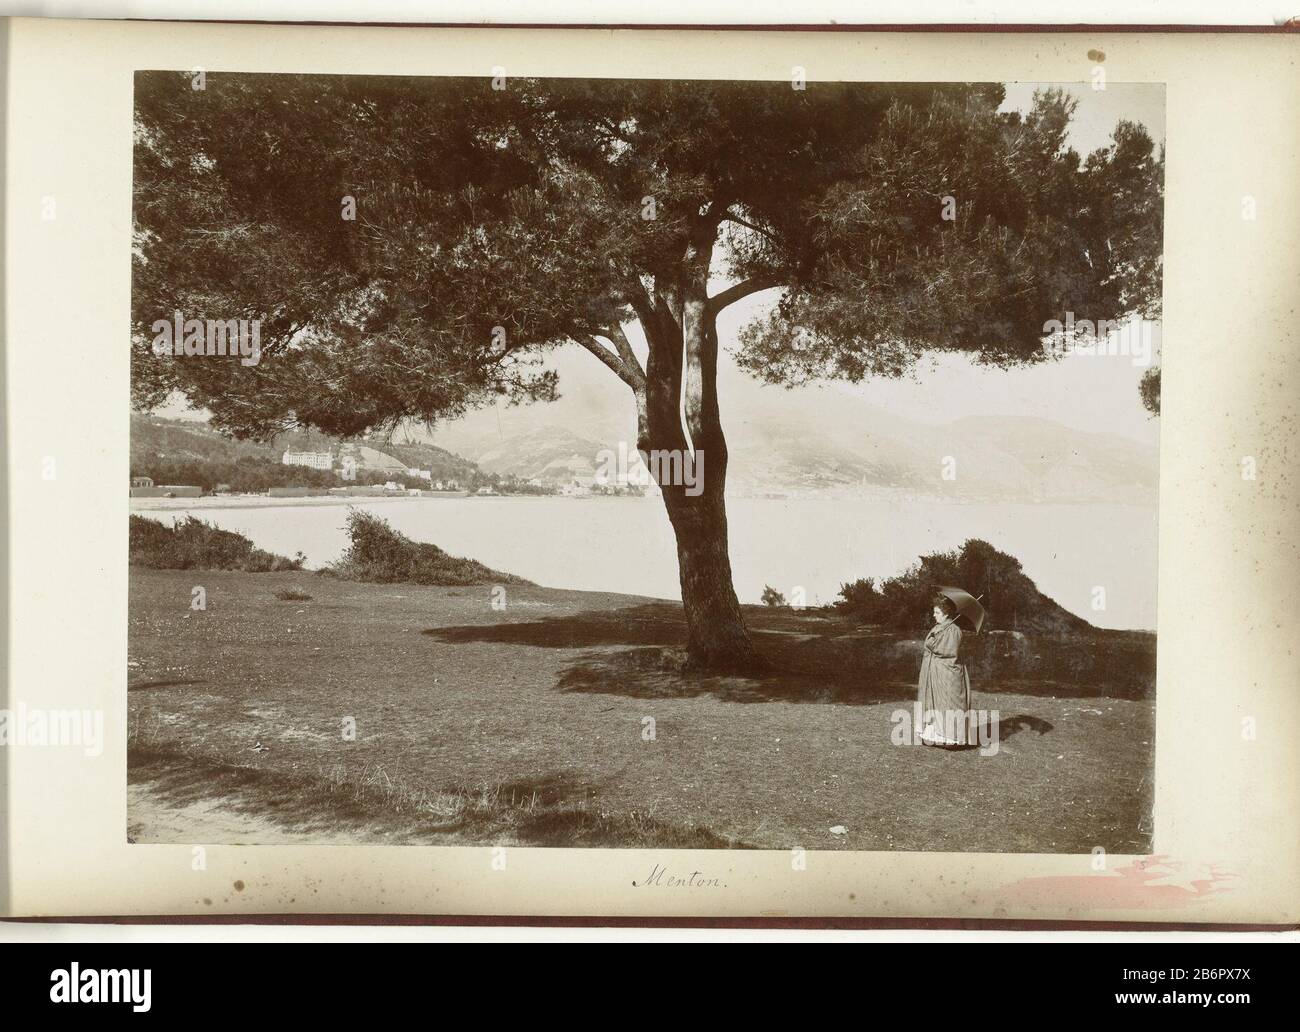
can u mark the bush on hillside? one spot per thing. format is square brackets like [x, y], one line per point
[1012, 601]
[382, 555]
[191, 544]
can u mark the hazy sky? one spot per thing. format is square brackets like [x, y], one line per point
[1085, 392]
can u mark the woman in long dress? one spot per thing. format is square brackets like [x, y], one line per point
[944, 686]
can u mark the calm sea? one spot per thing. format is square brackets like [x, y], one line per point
[808, 546]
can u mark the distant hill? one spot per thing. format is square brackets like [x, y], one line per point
[153, 438]
[175, 442]
[527, 454]
[854, 448]
[994, 457]
[1056, 462]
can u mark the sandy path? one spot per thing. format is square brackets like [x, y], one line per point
[152, 818]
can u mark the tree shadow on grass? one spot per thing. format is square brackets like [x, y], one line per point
[638, 651]
[555, 809]
[793, 675]
[652, 624]
[1049, 687]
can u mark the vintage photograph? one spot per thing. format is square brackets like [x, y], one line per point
[644, 462]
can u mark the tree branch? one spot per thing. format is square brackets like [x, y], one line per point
[619, 339]
[730, 217]
[743, 289]
[610, 360]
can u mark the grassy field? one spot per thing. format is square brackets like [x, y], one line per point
[525, 726]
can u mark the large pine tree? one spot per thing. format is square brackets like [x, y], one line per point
[493, 225]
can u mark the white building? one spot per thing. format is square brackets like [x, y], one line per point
[312, 459]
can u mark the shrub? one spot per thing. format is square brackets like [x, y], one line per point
[192, 544]
[382, 555]
[772, 597]
[1012, 601]
[292, 595]
[861, 599]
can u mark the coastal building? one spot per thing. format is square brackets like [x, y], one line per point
[311, 459]
[142, 481]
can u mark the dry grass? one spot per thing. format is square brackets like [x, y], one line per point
[475, 725]
[367, 798]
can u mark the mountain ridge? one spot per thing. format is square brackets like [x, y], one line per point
[1012, 458]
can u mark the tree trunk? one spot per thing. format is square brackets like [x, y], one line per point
[681, 373]
[717, 638]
